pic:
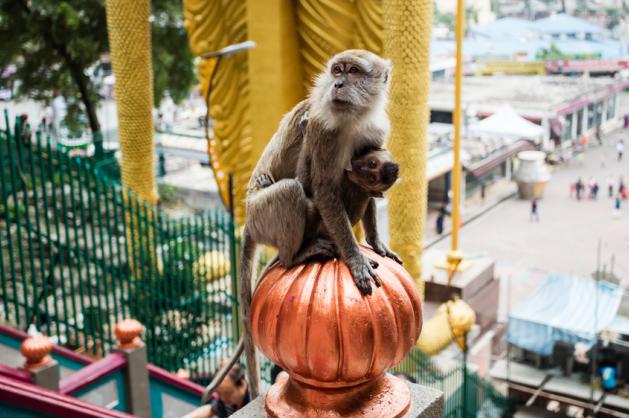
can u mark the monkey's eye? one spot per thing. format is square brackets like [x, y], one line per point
[372, 164]
[336, 70]
[353, 70]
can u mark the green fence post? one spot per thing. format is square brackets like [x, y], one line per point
[97, 138]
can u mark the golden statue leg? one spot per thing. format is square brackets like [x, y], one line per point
[407, 26]
[130, 47]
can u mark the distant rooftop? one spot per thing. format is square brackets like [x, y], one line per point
[558, 24]
[530, 96]
[509, 37]
[565, 24]
[505, 28]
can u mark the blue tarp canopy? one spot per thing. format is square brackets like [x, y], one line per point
[564, 308]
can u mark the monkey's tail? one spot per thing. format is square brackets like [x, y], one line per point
[246, 284]
[220, 375]
[246, 341]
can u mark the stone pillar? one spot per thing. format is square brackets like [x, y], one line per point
[43, 369]
[586, 110]
[137, 376]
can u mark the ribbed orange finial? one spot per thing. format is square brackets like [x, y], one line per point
[36, 350]
[128, 333]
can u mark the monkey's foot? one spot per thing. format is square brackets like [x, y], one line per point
[361, 269]
[382, 250]
[320, 247]
[262, 181]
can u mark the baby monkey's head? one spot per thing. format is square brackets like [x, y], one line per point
[374, 170]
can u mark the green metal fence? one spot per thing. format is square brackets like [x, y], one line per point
[78, 252]
[465, 394]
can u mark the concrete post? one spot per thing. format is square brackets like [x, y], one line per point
[43, 369]
[137, 376]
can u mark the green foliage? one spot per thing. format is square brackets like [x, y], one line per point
[173, 71]
[167, 193]
[554, 53]
[54, 44]
[449, 20]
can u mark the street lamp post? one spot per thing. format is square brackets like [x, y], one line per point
[217, 56]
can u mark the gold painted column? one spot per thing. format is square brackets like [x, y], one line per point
[407, 29]
[275, 75]
[130, 47]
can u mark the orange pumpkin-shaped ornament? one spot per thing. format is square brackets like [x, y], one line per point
[335, 343]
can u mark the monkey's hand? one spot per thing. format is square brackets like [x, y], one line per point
[262, 181]
[361, 269]
[384, 251]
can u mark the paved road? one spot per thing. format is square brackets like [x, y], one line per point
[565, 239]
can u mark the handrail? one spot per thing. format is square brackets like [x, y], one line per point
[61, 351]
[90, 374]
[16, 374]
[35, 398]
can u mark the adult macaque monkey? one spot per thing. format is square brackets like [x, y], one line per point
[371, 173]
[345, 112]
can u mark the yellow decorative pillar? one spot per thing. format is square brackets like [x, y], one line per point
[130, 47]
[407, 27]
[275, 75]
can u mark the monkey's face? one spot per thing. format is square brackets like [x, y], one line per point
[357, 80]
[375, 172]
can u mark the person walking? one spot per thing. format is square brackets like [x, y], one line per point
[620, 148]
[534, 211]
[579, 187]
[617, 203]
[595, 190]
[610, 187]
[440, 220]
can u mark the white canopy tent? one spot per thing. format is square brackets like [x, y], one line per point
[507, 123]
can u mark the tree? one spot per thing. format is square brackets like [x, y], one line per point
[54, 43]
[173, 71]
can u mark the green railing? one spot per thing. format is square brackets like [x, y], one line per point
[78, 252]
[465, 394]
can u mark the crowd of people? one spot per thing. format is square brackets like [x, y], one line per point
[616, 189]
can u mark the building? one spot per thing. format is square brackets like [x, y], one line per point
[568, 108]
[558, 36]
